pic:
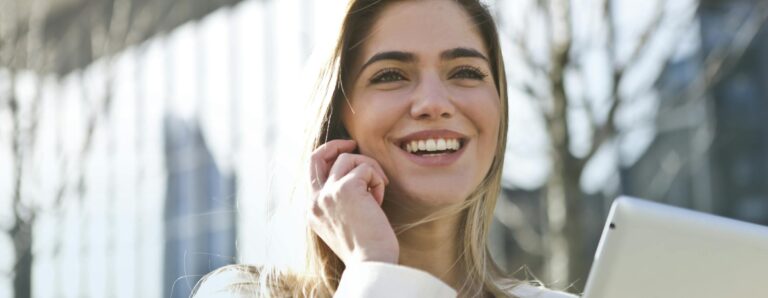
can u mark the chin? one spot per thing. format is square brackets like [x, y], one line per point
[433, 194]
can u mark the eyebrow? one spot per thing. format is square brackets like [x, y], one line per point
[410, 57]
[462, 53]
[391, 55]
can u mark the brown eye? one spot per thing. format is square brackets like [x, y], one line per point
[468, 72]
[387, 75]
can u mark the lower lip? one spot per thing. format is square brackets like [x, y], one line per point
[438, 160]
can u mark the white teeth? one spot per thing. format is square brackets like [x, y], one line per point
[431, 145]
[441, 145]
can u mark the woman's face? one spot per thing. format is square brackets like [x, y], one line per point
[424, 103]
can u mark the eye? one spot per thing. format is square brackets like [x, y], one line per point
[469, 72]
[387, 75]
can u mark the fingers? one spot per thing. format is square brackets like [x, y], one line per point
[346, 162]
[371, 179]
[342, 211]
[323, 158]
[334, 160]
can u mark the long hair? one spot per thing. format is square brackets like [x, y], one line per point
[477, 210]
[323, 269]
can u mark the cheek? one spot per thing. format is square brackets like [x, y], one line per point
[372, 117]
[483, 108]
[484, 111]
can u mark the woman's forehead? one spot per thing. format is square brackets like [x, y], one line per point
[424, 28]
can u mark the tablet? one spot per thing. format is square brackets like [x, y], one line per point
[650, 250]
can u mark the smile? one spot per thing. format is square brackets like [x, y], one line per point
[433, 147]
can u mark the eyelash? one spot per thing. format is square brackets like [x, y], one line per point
[463, 72]
[383, 76]
[469, 72]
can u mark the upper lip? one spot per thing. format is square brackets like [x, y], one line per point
[431, 134]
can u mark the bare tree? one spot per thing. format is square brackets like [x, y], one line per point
[564, 250]
[21, 40]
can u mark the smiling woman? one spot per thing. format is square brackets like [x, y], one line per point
[406, 163]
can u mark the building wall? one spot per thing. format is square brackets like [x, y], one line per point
[196, 129]
[740, 152]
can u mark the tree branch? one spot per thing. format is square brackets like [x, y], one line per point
[644, 41]
[528, 87]
[604, 132]
[560, 56]
[518, 38]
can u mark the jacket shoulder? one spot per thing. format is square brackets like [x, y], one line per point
[529, 291]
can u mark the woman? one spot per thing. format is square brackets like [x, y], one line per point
[407, 161]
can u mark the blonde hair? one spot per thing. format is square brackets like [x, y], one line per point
[323, 268]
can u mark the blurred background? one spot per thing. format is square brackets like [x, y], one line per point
[145, 143]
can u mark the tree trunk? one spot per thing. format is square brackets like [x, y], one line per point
[574, 226]
[22, 243]
[557, 256]
[21, 231]
[564, 204]
[563, 194]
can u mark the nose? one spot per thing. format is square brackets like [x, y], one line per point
[432, 100]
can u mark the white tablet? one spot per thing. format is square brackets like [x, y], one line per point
[650, 250]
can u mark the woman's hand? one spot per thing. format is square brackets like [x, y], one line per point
[345, 211]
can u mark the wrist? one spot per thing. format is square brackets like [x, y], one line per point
[380, 257]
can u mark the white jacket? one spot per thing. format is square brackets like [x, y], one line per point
[372, 279]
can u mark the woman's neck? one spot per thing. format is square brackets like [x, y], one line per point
[433, 246]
